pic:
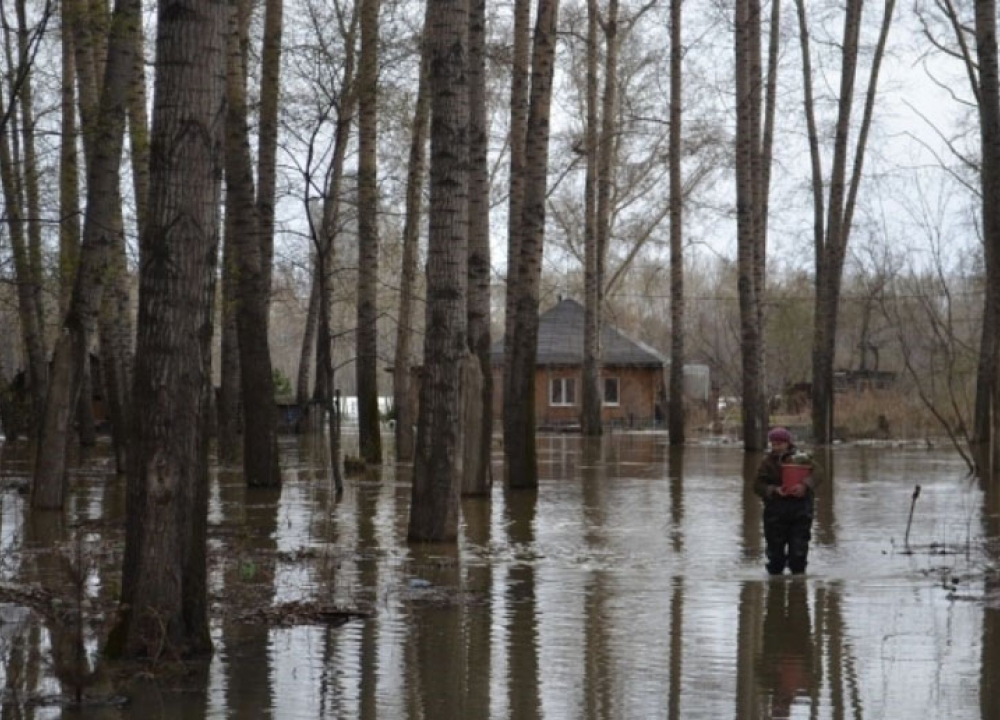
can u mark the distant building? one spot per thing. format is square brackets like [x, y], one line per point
[631, 374]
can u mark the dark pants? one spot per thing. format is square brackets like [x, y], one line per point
[787, 531]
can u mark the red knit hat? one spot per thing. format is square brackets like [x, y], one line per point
[779, 434]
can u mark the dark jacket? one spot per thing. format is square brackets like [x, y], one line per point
[768, 478]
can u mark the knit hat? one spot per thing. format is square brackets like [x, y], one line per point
[779, 434]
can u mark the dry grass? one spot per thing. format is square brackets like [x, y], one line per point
[871, 414]
[886, 414]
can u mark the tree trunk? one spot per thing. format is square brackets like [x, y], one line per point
[476, 479]
[987, 407]
[437, 467]
[267, 142]
[752, 172]
[100, 226]
[77, 12]
[747, 123]
[325, 392]
[69, 171]
[366, 365]
[845, 179]
[307, 348]
[519, 88]
[520, 451]
[138, 128]
[114, 317]
[163, 607]
[402, 362]
[675, 417]
[260, 438]
[229, 417]
[29, 173]
[590, 408]
[86, 424]
[31, 332]
[115, 334]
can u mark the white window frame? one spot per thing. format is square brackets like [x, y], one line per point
[618, 391]
[566, 386]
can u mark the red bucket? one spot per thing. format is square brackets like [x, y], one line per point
[794, 475]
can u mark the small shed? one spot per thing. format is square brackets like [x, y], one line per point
[631, 374]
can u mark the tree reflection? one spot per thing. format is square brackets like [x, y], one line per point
[521, 602]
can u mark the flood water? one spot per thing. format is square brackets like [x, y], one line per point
[630, 585]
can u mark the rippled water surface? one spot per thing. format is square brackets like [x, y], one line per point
[630, 585]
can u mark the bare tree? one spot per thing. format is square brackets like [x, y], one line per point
[369, 437]
[164, 602]
[675, 418]
[252, 256]
[519, 403]
[19, 176]
[479, 429]
[986, 427]
[755, 106]
[411, 237]
[69, 167]
[102, 231]
[831, 233]
[590, 406]
[437, 468]
[520, 86]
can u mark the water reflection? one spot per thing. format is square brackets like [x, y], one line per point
[786, 666]
[630, 584]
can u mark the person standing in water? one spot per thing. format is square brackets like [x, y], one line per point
[784, 482]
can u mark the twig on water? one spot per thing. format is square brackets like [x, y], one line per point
[909, 521]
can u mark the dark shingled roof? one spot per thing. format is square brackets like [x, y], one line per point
[560, 341]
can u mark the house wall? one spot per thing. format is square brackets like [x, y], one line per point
[638, 389]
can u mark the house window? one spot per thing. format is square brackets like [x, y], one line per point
[562, 391]
[611, 391]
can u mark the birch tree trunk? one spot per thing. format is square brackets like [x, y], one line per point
[164, 604]
[69, 170]
[479, 385]
[753, 159]
[520, 86]
[114, 324]
[520, 451]
[270, 95]
[228, 408]
[437, 467]
[99, 238]
[307, 350]
[260, 438]
[28, 314]
[590, 409]
[366, 365]
[138, 129]
[29, 171]
[411, 239]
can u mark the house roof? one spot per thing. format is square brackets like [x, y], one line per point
[560, 341]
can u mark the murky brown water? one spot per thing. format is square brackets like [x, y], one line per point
[631, 585]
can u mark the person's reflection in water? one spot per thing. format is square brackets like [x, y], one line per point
[785, 668]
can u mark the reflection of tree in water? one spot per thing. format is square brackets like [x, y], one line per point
[522, 636]
[989, 685]
[251, 515]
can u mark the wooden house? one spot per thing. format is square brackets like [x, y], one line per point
[631, 374]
